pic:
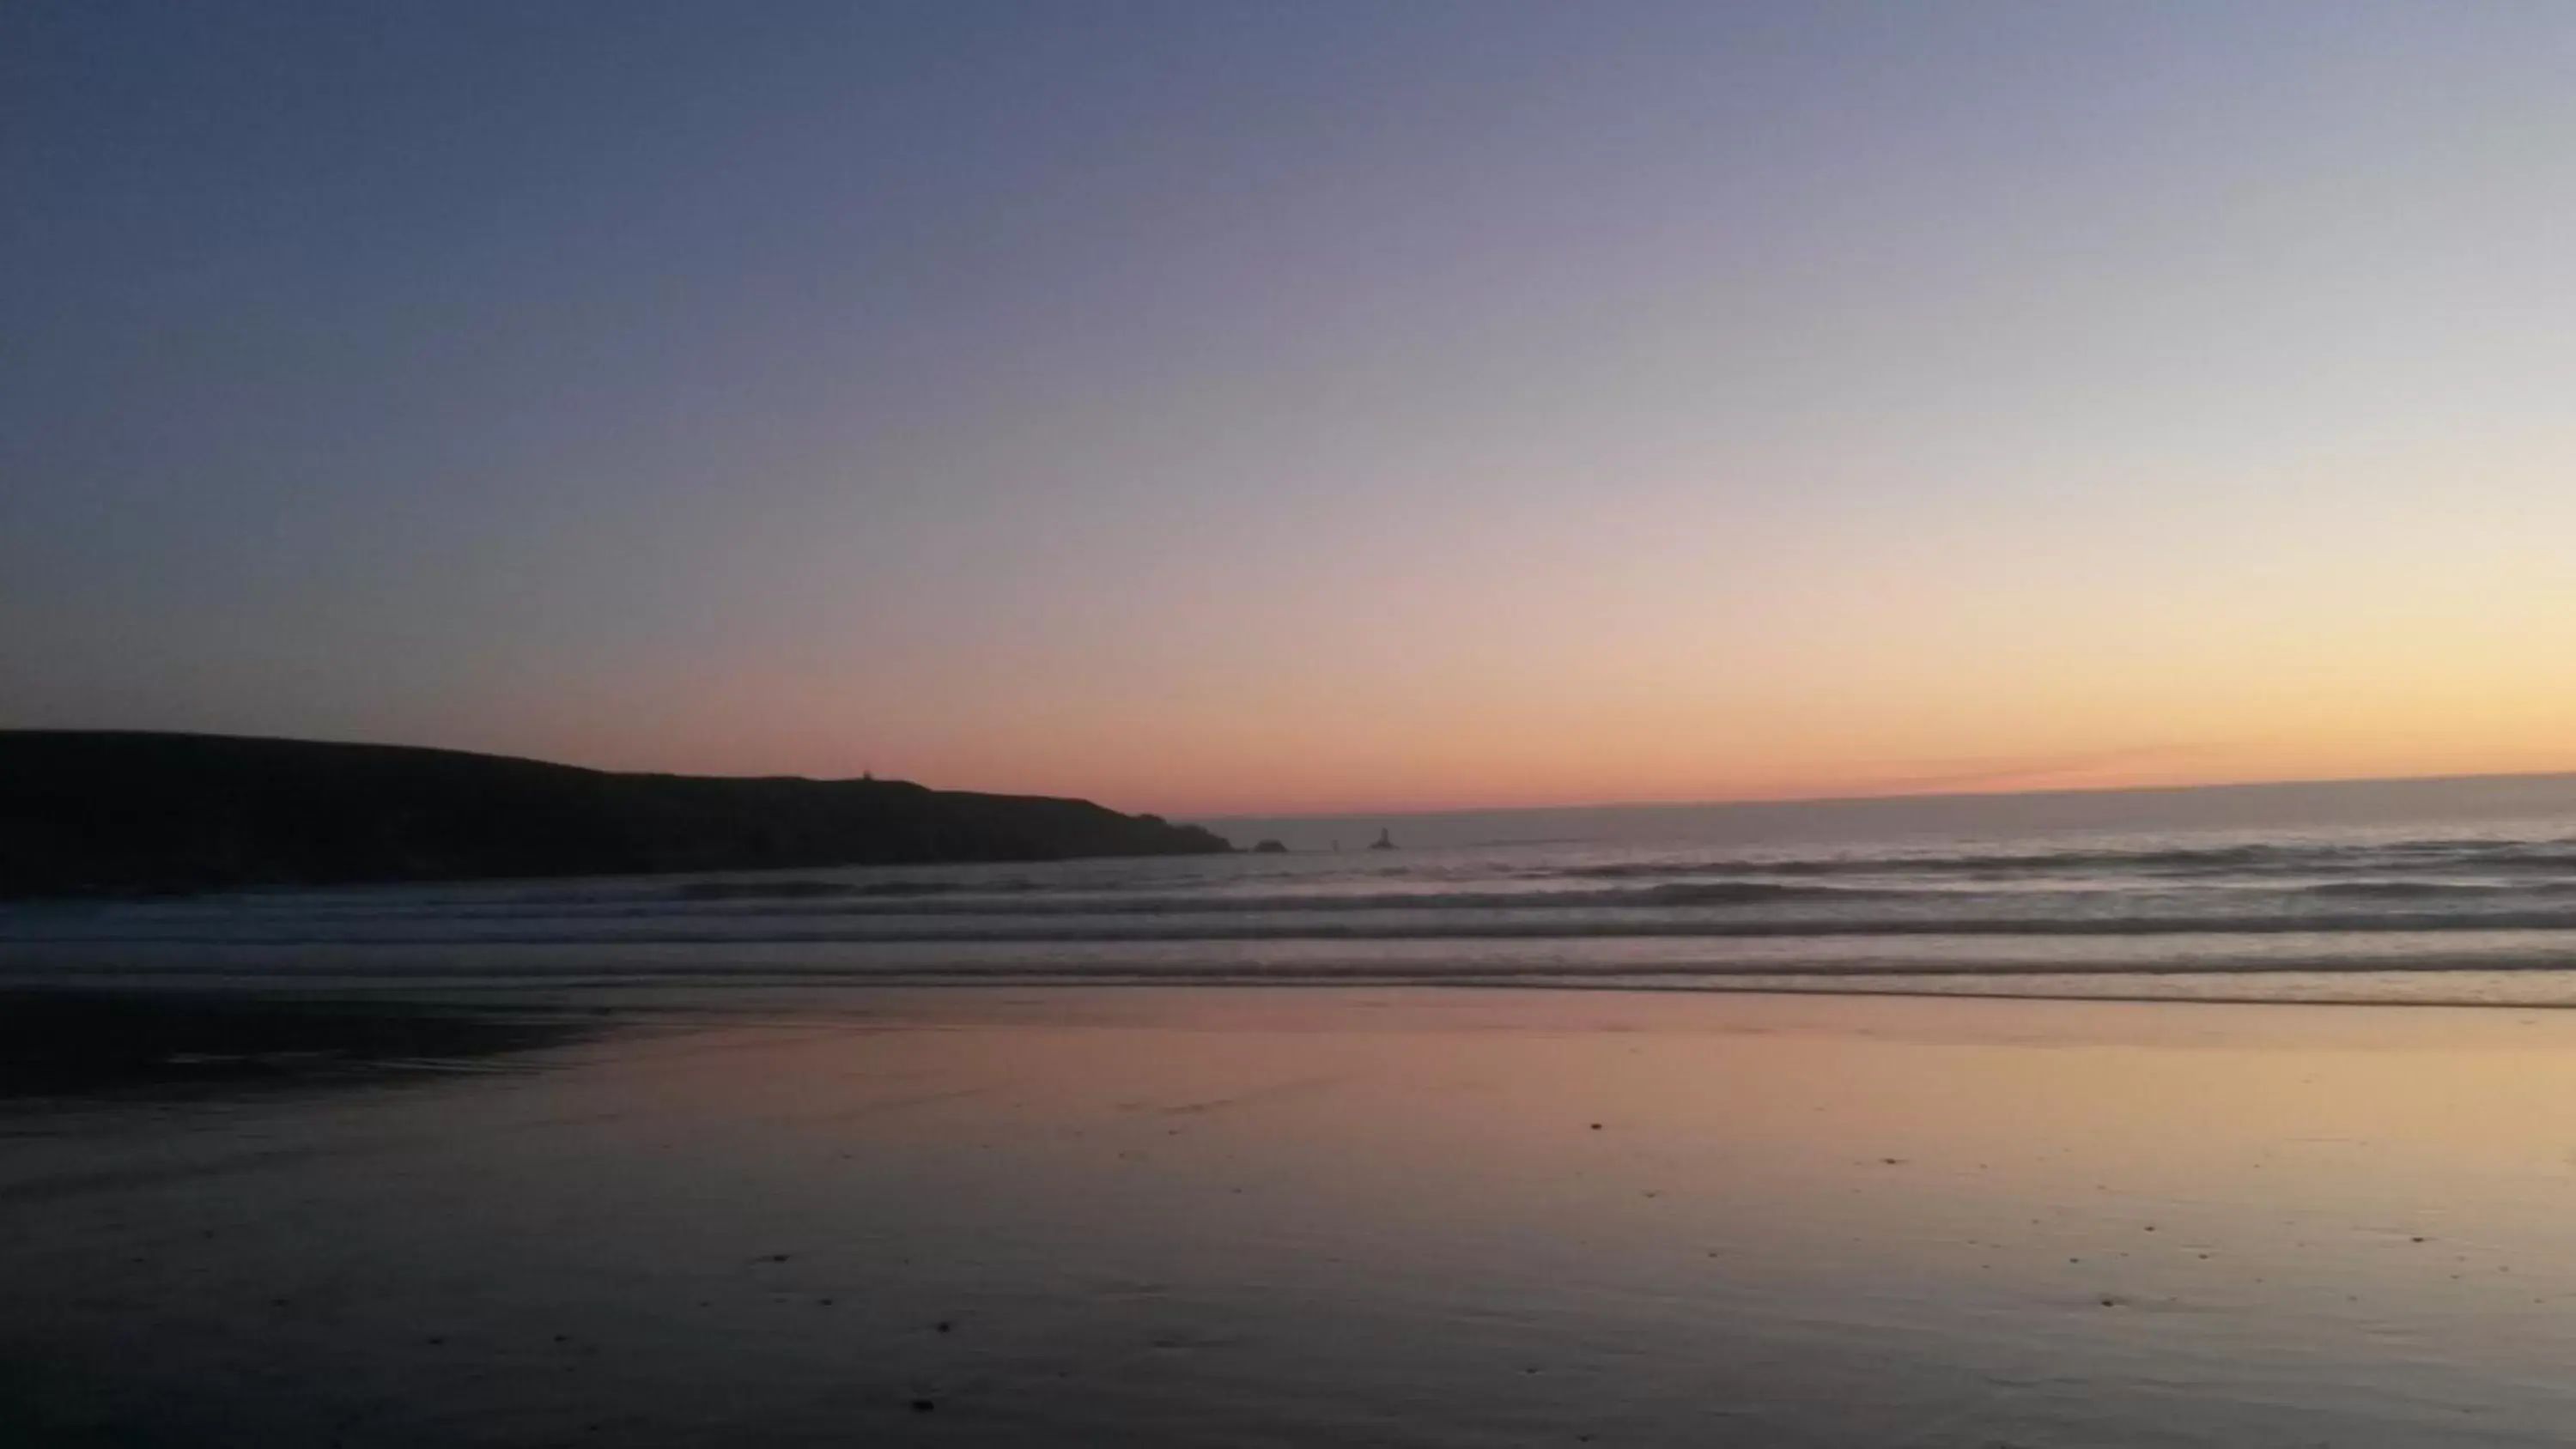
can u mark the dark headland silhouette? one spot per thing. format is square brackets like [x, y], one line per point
[92, 812]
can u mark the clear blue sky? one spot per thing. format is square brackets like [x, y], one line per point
[1210, 406]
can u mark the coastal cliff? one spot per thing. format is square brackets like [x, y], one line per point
[90, 812]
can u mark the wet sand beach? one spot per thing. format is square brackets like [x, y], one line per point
[1433, 1217]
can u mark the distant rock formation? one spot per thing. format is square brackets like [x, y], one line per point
[1385, 840]
[1270, 847]
[86, 812]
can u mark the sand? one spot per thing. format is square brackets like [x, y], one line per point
[1435, 1218]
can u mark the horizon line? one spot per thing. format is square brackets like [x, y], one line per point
[1757, 801]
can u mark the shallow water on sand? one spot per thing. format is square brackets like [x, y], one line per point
[1400, 1217]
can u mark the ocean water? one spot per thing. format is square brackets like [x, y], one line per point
[2458, 892]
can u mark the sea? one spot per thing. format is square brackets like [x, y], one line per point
[2457, 892]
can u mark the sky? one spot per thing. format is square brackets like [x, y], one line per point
[1213, 408]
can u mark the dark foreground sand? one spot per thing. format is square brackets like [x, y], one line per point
[1436, 1218]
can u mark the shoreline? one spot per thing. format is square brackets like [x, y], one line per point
[69, 1040]
[604, 988]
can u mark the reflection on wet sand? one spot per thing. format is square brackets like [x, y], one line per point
[1427, 1217]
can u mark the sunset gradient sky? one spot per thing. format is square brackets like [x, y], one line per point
[1209, 407]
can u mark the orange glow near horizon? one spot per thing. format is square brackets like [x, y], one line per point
[2390, 651]
[1658, 645]
[1485, 757]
